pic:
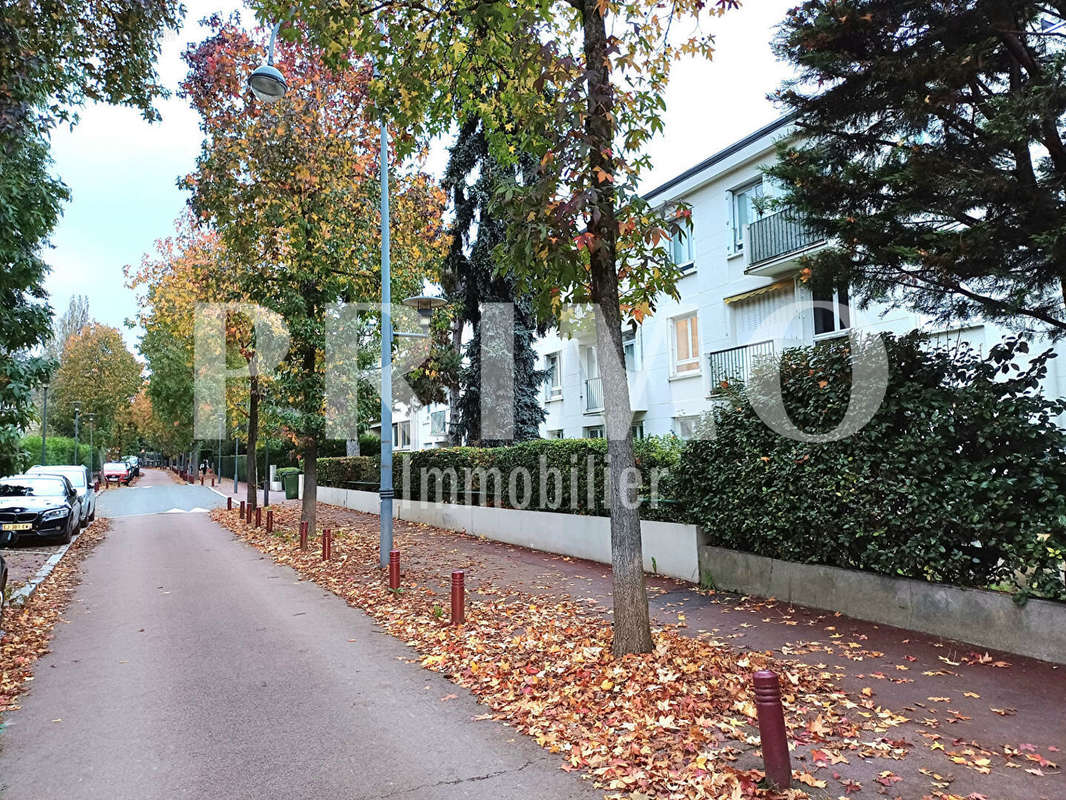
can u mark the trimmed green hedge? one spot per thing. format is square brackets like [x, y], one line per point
[960, 476]
[348, 470]
[564, 475]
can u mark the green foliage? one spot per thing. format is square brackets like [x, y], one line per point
[348, 470]
[565, 475]
[960, 476]
[59, 450]
[930, 152]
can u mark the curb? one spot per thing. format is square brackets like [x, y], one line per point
[25, 592]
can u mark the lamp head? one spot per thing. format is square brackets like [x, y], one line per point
[424, 305]
[267, 83]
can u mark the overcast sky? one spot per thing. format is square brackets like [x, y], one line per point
[122, 171]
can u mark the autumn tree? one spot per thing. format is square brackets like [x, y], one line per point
[930, 153]
[550, 81]
[292, 189]
[99, 372]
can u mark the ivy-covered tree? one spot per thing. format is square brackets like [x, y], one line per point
[930, 152]
[474, 277]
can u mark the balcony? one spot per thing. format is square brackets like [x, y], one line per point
[593, 395]
[775, 240]
[734, 364]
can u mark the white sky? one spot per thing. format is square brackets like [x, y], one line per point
[122, 171]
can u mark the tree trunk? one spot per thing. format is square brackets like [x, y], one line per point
[632, 625]
[310, 456]
[455, 434]
[253, 435]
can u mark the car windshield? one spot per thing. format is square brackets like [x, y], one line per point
[31, 487]
[114, 466]
[75, 476]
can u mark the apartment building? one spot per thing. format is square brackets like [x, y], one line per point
[740, 299]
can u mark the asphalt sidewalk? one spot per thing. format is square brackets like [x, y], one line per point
[191, 666]
[983, 723]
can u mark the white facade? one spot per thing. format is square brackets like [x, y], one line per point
[740, 298]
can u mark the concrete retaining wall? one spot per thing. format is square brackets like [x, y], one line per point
[669, 548]
[987, 619]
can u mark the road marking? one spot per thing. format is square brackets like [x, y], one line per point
[196, 510]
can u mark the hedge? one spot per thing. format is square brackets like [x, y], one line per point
[960, 476]
[565, 475]
[60, 450]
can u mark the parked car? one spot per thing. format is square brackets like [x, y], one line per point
[117, 471]
[78, 475]
[134, 463]
[39, 507]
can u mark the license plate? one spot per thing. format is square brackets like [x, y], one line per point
[18, 526]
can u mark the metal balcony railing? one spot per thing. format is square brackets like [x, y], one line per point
[735, 363]
[778, 235]
[593, 394]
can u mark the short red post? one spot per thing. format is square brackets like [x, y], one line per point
[327, 544]
[303, 535]
[244, 512]
[258, 516]
[201, 479]
[394, 569]
[212, 481]
[229, 503]
[270, 520]
[772, 729]
[458, 597]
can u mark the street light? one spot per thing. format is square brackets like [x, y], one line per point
[267, 83]
[44, 428]
[92, 449]
[77, 421]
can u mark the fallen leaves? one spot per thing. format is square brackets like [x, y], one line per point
[28, 628]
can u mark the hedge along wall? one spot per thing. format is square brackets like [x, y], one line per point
[566, 475]
[960, 477]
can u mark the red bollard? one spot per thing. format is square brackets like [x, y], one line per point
[458, 597]
[229, 503]
[201, 480]
[270, 520]
[327, 544]
[244, 511]
[258, 517]
[303, 535]
[394, 569]
[212, 481]
[772, 729]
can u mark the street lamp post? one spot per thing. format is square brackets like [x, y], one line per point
[77, 422]
[268, 85]
[92, 450]
[44, 429]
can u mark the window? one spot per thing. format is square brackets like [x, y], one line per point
[685, 427]
[438, 425]
[401, 434]
[746, 209]
[556, 433]
[637, 430]
[686, 345]
[593, 384]
[631, 349]
[594, 432]
[832, 312]
[553, 381]
[681, 249]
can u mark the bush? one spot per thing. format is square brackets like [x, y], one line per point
[960, 477]
[566, 475]
[343, 472]
[60, 450]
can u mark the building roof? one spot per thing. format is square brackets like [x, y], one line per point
[722, 154]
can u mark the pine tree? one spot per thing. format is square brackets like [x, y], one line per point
[473, 278]
[930, 152]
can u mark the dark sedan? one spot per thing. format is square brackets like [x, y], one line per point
[38, 507]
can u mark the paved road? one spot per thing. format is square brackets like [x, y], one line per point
[156, 493]
[194, 667]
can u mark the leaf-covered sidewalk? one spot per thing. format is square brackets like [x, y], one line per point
[871, 710]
